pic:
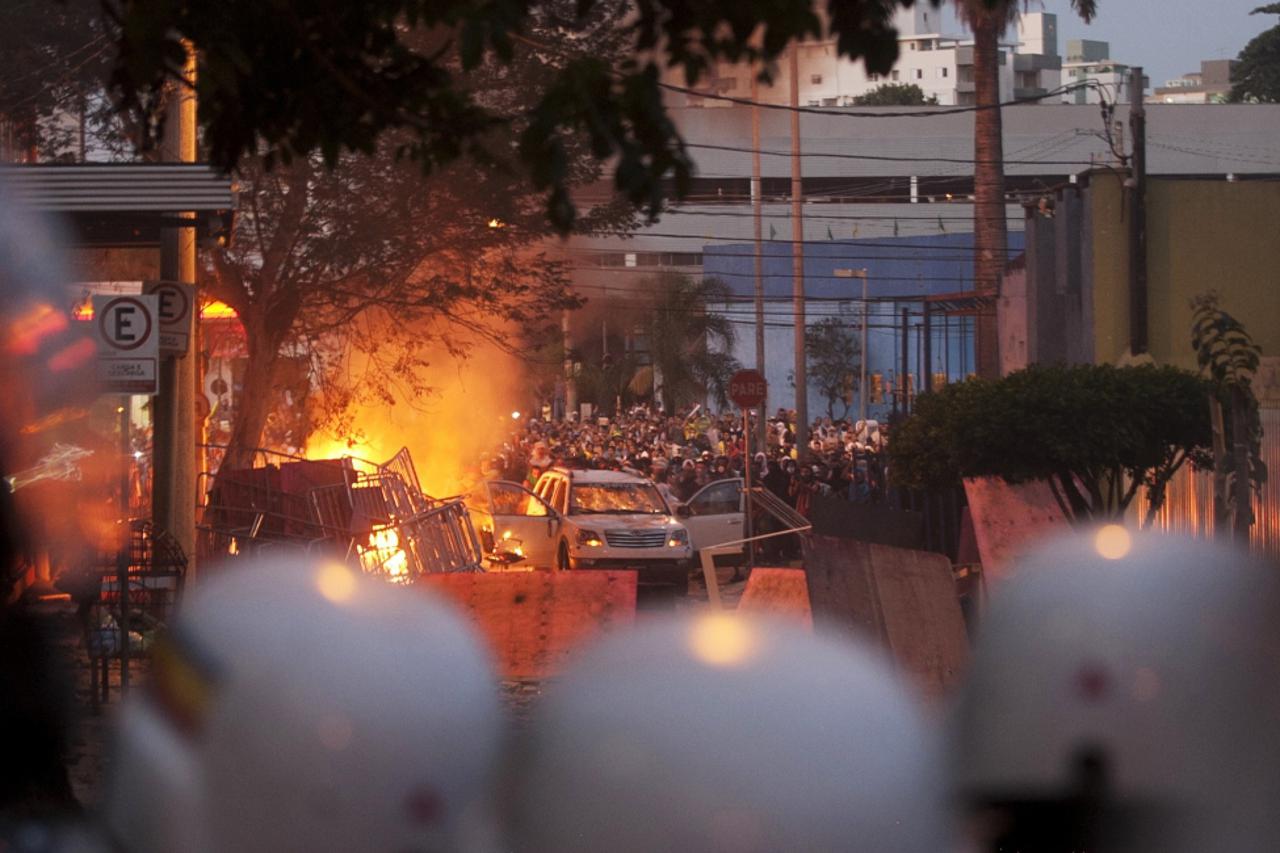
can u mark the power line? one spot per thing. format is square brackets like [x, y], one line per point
[932, 112]
[886, 157]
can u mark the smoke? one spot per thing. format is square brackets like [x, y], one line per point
[466, 412]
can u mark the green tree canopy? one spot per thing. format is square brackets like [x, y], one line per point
[1257, 77]
[833, 359]
[689, 345]
[895, 95]
[1094, 432]
[288, 78]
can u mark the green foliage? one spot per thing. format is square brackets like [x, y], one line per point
[290, 78]
[1229, 357]
[1094, 432]
[689, 346]
[832, 359]
[895, 95]
[1257, 77]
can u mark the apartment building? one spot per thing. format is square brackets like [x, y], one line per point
[939, 62]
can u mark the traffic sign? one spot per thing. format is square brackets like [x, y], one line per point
[128, 338]
[748, 388]
[176, 300]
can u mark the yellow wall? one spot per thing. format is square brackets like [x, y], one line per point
[1201, 235]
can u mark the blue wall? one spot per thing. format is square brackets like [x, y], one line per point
[900, 271]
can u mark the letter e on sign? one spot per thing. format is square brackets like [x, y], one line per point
[128, 334]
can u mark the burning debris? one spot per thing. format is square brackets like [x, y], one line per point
[370, 514]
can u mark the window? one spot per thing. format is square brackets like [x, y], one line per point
[559, 497]
[911, 45]
[815, 79]
[894, 75]
[717, 499]
[510, 499]
[815, 103]
[874, 78]
[629, 260]
[944, 72]
[919, 73]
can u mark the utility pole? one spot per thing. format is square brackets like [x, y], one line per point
[797, 263]
[862, 373]
[1137, 191]
[757, 204]
[570, 381]
[173, 501]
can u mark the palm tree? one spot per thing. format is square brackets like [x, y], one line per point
[988, 19]
[690, 346]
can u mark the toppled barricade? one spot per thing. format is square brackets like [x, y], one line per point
[372, 514]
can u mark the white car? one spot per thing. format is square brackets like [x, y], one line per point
[580, 519]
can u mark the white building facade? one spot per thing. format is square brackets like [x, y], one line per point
[940, 63]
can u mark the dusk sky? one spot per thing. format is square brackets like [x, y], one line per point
[1167, 37]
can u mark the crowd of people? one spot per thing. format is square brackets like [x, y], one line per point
[684, 452]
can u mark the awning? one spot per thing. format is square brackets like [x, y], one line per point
[125, 204]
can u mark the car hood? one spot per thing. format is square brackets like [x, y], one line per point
[639, 521]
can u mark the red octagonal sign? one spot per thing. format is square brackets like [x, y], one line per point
[747, 388]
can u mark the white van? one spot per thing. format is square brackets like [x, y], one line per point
[581, 519]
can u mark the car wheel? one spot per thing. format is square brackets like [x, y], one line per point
[562, 558]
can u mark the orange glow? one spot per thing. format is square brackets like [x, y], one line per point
[218, 310]
[384, 554]
[26, 332]
[722, 640]
[1113, 542]
[336, 583]
[467, 413]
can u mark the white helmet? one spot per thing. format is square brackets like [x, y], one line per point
[1125, 694]
[725, 734]
[303, 706]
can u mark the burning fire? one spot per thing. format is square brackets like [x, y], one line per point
[467, 413]
[384, 554]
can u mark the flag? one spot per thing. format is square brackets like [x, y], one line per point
[830, 236]
[941, 227]
[855, 230]
[771, 231]
[895, 228]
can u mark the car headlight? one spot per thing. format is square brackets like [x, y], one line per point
[678, 537]
[589, 538]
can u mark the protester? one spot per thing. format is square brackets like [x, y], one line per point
[683, 453]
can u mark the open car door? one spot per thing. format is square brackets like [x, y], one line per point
[515, 513]
[715, 515]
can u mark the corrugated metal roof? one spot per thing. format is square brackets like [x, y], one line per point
[119, 187]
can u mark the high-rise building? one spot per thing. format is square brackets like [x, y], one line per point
[1210, 85]
[1090, 61]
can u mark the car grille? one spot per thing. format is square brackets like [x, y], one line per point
[635, 538]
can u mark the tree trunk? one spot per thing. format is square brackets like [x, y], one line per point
[257, 397]
[989, 227]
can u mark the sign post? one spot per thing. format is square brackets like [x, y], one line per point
[127, 332]
[748, 388]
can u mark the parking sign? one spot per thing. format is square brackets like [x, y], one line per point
[128, 336]
[176, 301]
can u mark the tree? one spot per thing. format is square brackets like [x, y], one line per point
[1095, 433]
[1227, 354]
[989, 19]
[833, 359]
[52, 57]
[895, 95]
[295, 77]
[1257, 77]
[689, 345]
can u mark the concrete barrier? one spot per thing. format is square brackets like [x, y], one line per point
[902, 600]
[534, 620]
[777, 592]
[1009, 520]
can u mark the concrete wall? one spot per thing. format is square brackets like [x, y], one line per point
[1202, 235]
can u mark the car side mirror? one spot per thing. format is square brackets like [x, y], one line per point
[683, 510]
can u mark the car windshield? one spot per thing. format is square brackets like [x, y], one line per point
[616, 498]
